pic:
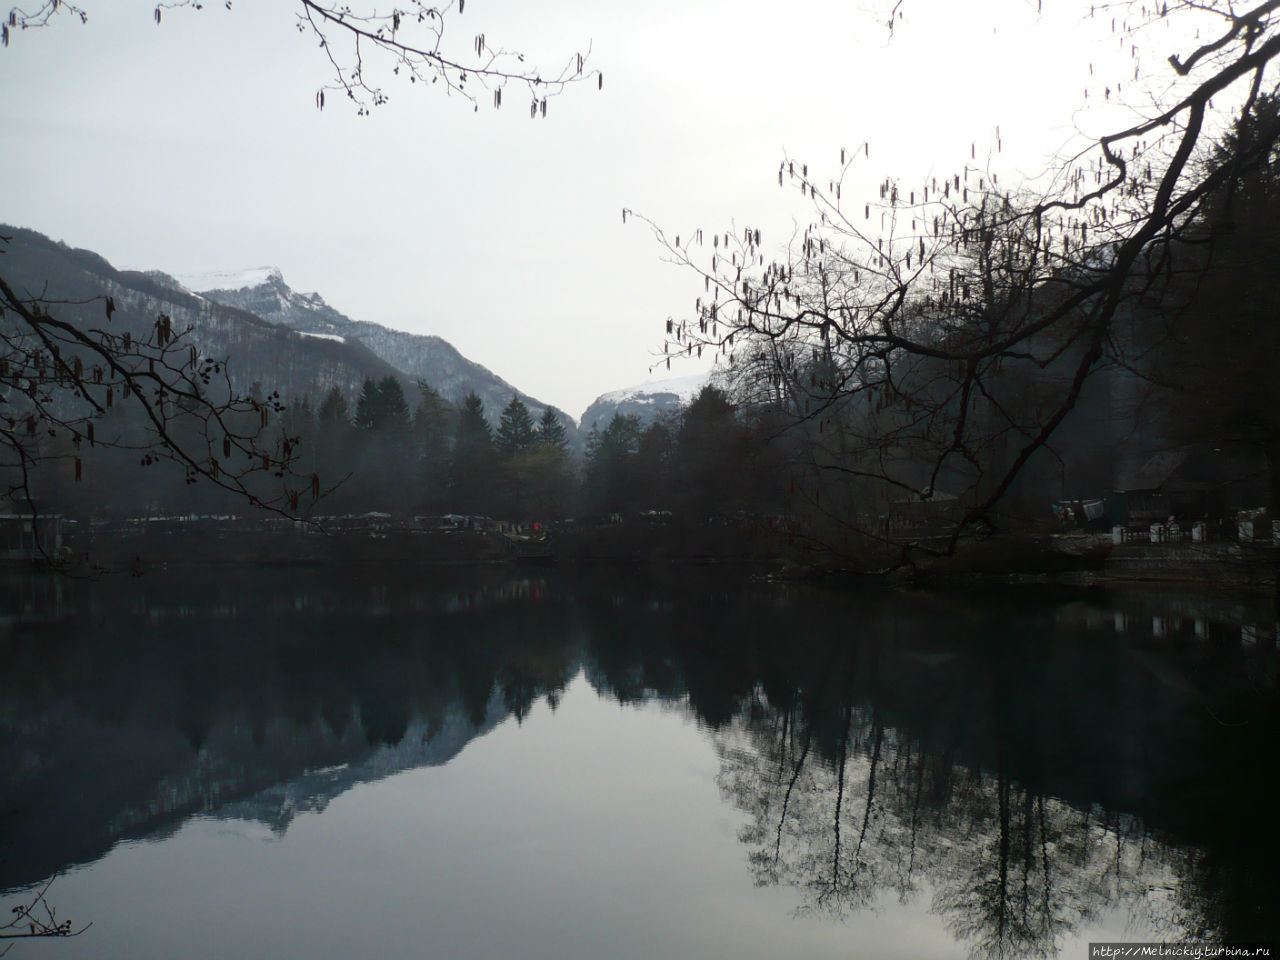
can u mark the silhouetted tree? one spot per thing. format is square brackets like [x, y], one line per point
[609, 466]
[1216, 359]
[551, 431]
[381, 406]
[474, 466]
[515, 429]
[655, 456]
[549, 482]
[431, 429]
[711, 459]
[954, 324]
[336, 449]
[334, 413]
[382, 466]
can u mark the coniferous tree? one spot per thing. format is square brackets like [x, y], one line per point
[655, 455]
[537, 478]
[432, 441]
[300, 425]
[551, 431]
[474, 461]
[382, 405]
[334, 411]
[515, 429]
[367, 404]
[548, 482]
[334, 447]
[384, 458]
[395, 409]
[712, 464]
[610, 464]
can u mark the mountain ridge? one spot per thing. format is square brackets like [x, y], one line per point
[426, 357]
[649, 400]
[295, 341]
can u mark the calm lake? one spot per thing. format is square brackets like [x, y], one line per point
[692, 763]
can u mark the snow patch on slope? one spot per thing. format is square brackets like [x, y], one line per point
[229, 279]
[686, 388]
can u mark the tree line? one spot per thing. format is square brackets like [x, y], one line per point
[378, 451]
[435, 457]
[711, 458]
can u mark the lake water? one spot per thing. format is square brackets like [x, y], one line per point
[695, 763]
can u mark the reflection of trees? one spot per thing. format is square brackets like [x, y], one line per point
[142, 703]
[1231, 886]
[193, 653]
[879, 748]
[931, 747]
[876, 812]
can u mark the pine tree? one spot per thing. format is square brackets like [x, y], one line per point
[610, 463]
[551, 432]
[473, 428]
[300, 425]
[367, 404]
[382, 405]
[334, 454]
[474, 462]
[334, 411]
[394, 407]
[653, 463]
[431, 435]
[515, 429]
[712, 464]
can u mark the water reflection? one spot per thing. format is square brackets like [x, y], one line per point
[1026, 764]
[1011, 870]
[1028, 773]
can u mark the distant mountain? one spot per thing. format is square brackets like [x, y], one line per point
[258, 351]
[287, 341]
[648, 401]
[263, 292]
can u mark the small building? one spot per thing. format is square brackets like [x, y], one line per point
[1190, 483]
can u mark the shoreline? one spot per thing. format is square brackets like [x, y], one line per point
[1069, 560]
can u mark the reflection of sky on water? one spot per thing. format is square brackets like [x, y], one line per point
[594, 832]
[550, 771]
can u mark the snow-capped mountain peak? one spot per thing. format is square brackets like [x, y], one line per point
[648, 400]
[229, 279]
[263, 291]
[686, 388]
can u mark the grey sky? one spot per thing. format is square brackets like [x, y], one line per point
[196, 146]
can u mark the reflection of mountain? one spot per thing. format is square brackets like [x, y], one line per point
[1020, 768]
[312, 790]
[131, 707]
[75, 787]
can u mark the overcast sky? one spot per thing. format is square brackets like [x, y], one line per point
[196, 146]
